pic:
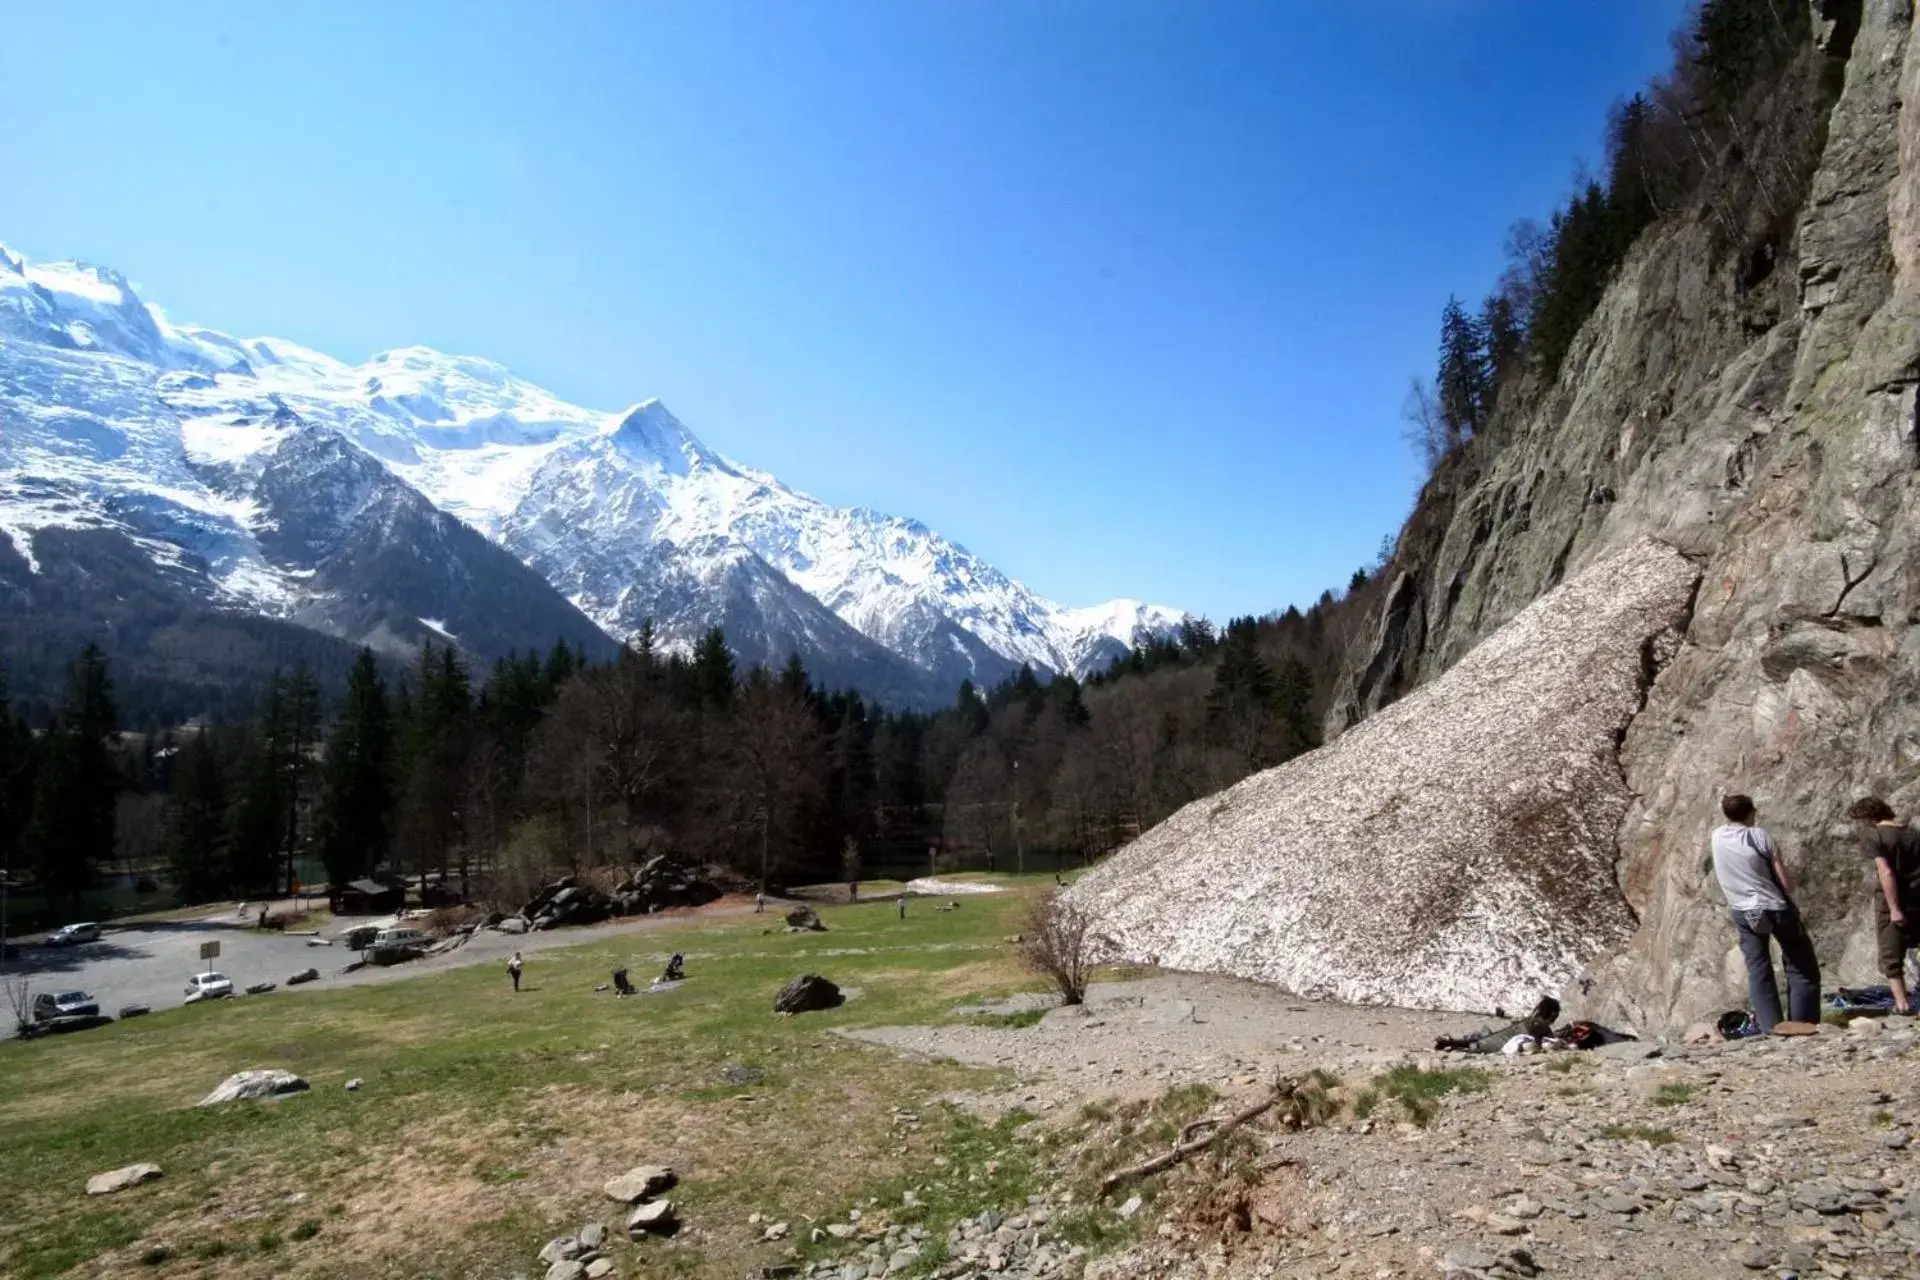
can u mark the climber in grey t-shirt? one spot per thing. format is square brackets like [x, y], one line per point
[1759, 891]
[1743, 863]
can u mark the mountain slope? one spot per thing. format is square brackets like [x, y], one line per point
[628, 515]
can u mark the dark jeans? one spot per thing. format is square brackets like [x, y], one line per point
[1796, 956]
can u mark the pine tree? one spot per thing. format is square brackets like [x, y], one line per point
[351, 823]
[1505, 342]
[300, 705]
[713, 669]
[72, 827]
[197, 828]
[1462, 382]
[1240, 705]
[16, 780]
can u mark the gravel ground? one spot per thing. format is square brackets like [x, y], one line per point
[1133, 1038]
[1776, 1157]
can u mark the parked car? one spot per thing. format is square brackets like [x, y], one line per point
[400, 940]
[68, 935]
[208, 986]
[63, 1004]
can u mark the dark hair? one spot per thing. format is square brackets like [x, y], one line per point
[1738, 808]
[1871, 809]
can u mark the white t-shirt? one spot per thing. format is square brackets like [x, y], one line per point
[1743, 864]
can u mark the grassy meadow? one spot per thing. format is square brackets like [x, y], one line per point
[488, 1121]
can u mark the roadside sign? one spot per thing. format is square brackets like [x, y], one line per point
[210, 950]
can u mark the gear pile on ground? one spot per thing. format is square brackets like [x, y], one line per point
[1455, 851]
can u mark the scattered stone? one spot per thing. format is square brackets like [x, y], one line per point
[134, 1011]
[567, 1270]
[735, 1073]
[592, 1236]
[561, 1249]
[806, 994]
[1614, 1202]
[598, 1268]
[642, 1182]
[304, 976]
[104, 1184]
[777, 1231]
[1131, 1207]
[261, 988]
[655, 1217]
[1754, 1258]
[245, 1085]
[353, 1085]
[805, 919]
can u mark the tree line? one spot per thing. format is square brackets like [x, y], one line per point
[1732, 130]
[488, 783]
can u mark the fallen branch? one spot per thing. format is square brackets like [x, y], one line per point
[1283, 1092]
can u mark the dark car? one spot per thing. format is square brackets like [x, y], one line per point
[63, 1004]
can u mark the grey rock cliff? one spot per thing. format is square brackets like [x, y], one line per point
[1757, 413]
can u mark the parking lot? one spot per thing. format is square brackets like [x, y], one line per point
[149, 963]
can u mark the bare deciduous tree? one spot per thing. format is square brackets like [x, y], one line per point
[1056, 942]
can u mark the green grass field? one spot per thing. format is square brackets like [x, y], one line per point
[488, 1121]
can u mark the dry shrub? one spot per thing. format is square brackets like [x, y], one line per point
[1057, 941]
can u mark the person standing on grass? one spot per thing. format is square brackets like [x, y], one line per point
[1895, 850]
[513, 970]
[1759, 890]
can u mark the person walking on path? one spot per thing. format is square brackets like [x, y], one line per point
[1895, 849]
[1759, 890]
[513, 970]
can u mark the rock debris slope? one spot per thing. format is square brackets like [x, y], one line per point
[1454, 851]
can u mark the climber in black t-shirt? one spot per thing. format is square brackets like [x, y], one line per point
[1895, 849]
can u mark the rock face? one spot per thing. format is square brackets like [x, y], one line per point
[243, 1085]
[103, 1184]
[1756, 410]
[1454, 851]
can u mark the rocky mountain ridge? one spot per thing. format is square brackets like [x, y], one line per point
[110, 407]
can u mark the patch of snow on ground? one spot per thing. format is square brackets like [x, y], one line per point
[439, 627]
[937, 887]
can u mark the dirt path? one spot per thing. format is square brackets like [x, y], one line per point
[1132, 1038]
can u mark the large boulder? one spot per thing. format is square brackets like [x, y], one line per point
[103, 1184]
[244, 1085]
[807, 993]
[805, 918]
[1454, 851]
[304, 976]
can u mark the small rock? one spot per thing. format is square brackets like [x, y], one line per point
[561, 1249]
[599, 1267]
[1501, 1225]
[244, 1085]
[778, 1231]
[1468, 1259]
[903, 1258]
[1614, 1202]
[1131, 1207]
[1524, 1209]
[133, 1011]
[592, 1236]
[102, 1184]
[641, 1182]
[566, 1270]
[1754, 1258]
[655, 1216]
[353, 1085]
[1894, 1139]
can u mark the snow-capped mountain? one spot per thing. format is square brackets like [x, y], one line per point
[113, 417]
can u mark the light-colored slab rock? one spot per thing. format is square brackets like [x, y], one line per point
[1454, 851]
[243, 1085]
[104, 1184]
[641, 1182]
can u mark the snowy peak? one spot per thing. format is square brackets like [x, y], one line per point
[650, 432]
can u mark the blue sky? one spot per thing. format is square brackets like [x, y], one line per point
[1122, 295]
